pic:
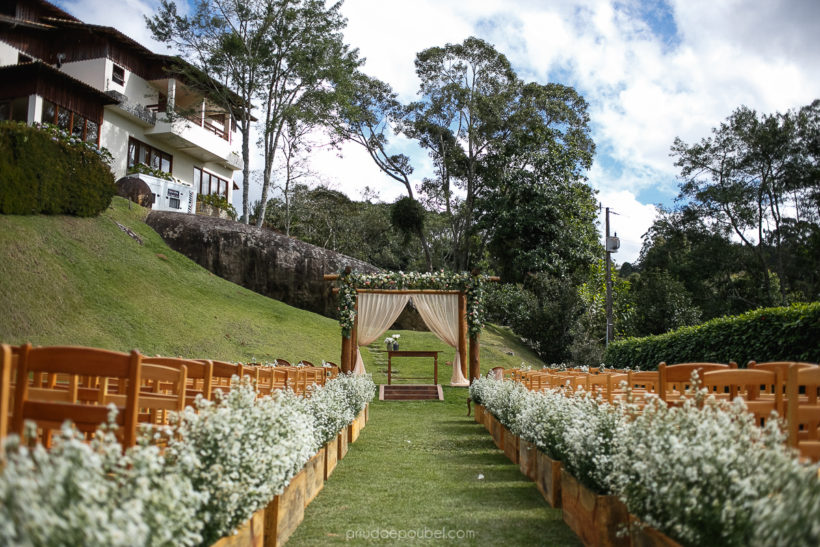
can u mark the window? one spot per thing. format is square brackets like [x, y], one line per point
[15, 110]
[70, 122]
[209, 184]
[139, 152]
[118, 75]
[173, 199]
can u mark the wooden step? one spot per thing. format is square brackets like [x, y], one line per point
[410, 392]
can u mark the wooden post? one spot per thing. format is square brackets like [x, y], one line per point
[354, 335]
[462, 332]
[345, 364]
[475, 365]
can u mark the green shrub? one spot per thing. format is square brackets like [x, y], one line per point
[43, 170]
[767, 334]
[218, 201]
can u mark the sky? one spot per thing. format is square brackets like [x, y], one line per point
[650, 70]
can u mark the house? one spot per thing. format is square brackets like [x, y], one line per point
[107, 89]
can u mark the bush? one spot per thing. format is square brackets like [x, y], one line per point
[219, 201]
[44, 170]
[767, 334]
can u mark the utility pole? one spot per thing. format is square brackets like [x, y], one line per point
[610, 334]
[612, 245]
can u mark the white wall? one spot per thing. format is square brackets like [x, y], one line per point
[8, 54]
[91, 71]
[114, 136]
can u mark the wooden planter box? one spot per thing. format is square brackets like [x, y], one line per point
[353, 430]
[286, 512]
[341, 444]
[367, 413]
[527, 459]
[498, 432]
[510, 445]
[362, 419]
[594, 518]
[643, 535]
[250, 534]
[331, 450]
[314, 476]
[548, 478]
[478, 413]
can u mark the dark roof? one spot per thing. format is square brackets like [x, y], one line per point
[29, 71]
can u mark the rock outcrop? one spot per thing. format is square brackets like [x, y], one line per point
[258, 259]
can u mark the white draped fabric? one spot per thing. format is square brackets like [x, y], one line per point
[440, 314]
[377, 311]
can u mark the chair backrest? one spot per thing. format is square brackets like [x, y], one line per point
[761, 389]
[332, 370]
[91, 362]
[782, 366]
[163, 390]
[676, 379]
[5, 388]
[199, 375]
[803, 410]
[222, 374]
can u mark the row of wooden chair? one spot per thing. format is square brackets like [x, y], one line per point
[80, 383]
[790, 389]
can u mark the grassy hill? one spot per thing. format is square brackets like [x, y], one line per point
[66, 280]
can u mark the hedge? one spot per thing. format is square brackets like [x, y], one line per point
[767, 334]
[45, 171]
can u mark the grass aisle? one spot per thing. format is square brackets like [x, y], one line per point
[415, 468]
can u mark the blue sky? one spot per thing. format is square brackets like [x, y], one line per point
[650, 70]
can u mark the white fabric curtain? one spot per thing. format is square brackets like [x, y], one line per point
[440, 314]
[377, 311]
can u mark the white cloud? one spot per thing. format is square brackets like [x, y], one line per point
[629, 219]
[644, 86]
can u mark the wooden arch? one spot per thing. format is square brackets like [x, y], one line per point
[468, 344]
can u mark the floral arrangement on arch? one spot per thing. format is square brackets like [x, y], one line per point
[471, 285]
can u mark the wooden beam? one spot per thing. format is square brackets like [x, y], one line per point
[462, 332]
[354, 336]
[345, 364]
[334, 277]
[475, 365]
[400, 291]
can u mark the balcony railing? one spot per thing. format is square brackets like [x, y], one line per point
[221, 132]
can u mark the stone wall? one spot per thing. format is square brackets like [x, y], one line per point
[263, 261]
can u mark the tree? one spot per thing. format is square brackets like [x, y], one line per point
[366, 119]
[751, 176]
[226, 43]
[305, 75]
[466, 91]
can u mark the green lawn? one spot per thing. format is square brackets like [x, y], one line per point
[416, 467]
[67, 280]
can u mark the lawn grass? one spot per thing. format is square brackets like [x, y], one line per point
[415, 467]
[84, 281]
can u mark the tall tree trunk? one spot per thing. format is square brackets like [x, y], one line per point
[246, 167]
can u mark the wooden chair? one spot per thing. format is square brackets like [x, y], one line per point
[332, 369]
[762, 390]
[5, 388]
[198, 373]
[80, 361]
[222, 373]
[163, 391]
[265, 382]
[675, 380]
[803, 410]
